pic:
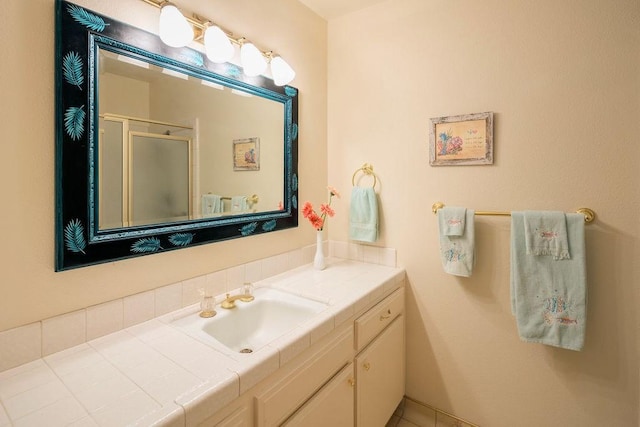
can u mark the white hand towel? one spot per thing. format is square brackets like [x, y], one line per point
[363, 215]
[457, 252]
[546, 234]
[451, 220]
[211, 204]
[239, 204]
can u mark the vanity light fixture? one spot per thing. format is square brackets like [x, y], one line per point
[253, 61]
[176, 30]
[281, 72]
[217, 45]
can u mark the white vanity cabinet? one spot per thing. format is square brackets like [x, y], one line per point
[370, 388]
[343, 365]
[354, 376]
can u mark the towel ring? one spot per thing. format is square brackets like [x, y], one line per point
[367, 169]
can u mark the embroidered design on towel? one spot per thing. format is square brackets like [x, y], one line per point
[454, 254]
[557, 310]
[548, 235]
[454, 222]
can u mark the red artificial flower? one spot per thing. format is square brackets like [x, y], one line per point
[307, 209]
[317, 221]
[326, 209]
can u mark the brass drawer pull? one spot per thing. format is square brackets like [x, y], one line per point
[385, 316]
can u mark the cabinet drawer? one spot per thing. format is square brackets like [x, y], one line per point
[278, 402]
[375, 320]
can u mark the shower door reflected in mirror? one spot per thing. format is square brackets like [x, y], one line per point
[160, 179]
[144, 177]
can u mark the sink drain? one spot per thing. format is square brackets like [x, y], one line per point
[246, 350]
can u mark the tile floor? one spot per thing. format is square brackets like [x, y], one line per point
[396, 421]
[413, 414]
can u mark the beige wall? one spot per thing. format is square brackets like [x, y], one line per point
[29, 288]
[563, 79]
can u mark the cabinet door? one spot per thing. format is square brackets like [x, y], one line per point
[380, 374]
[331, 406]
[239, 418]
[282, 399]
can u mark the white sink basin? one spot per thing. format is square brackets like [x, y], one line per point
[252, 325]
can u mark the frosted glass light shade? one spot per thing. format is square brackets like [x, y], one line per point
[217, 45]
[253, 63]
[175, 30]
[281, 72]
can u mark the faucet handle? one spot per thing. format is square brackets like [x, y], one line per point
[206, 306]
[247, 292]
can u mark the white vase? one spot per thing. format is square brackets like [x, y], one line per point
[318, 259]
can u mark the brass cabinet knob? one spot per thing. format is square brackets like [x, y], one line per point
[366, 366]
[386, 315]
[352, 382]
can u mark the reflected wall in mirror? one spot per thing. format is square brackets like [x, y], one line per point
[149, 144]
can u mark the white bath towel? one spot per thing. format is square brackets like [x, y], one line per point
[458, 252]
[548, 296]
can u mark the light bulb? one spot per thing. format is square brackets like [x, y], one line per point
[281, 72]
[175, 30]
[253, 63]
[217, 44]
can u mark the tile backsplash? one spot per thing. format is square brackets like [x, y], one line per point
[64, 331]
[39, 339]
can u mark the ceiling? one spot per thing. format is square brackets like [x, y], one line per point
[330, 9]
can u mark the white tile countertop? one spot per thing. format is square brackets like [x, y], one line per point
[154, 373]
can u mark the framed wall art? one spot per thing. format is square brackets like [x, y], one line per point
[461, 140]
[246, 154]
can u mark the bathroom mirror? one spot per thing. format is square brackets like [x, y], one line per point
[158, 148]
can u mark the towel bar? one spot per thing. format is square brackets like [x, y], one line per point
[589, 215]
[252, 200]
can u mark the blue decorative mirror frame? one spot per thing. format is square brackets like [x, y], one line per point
[80, 33]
